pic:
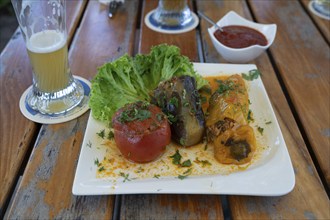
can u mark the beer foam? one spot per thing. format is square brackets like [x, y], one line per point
[46, 41]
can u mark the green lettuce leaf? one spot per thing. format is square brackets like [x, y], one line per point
[115, 85]
[129, 79]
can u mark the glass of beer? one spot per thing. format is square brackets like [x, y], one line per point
[172, 13]
[43, 26]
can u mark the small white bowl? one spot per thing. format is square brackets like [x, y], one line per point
[242, 55]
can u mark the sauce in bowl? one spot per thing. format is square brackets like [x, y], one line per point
[236, 36]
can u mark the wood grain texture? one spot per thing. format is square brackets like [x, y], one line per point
[45, 189]
[169, 206]
[302, 57]
[322, 23]
[100, 39]
[17, 132]
[308, 200]
[187, 42]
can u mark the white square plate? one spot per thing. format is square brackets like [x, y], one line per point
[271, 175]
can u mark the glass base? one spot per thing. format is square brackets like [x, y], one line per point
[56, 102]
[172, 18]
[320, 8]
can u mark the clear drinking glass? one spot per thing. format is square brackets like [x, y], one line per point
[43, 25]
[172, 13]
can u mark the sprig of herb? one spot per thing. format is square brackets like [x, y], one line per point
[125, 176]
[176, 158]
[261, 130]
[174, 101]
[203, 162]
[171, 118]
[138, 111]
[253, 74]
[186, 163]
[185, 174]
[101, 168]
[96, 162]
[156, 176]
[225, 86]
[101, 133]
[111, 135]
[159, 117]
[250, 117]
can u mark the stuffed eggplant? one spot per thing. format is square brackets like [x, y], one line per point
[227, 127]
[180, 101]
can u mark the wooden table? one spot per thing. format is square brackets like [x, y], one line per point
[38, 162]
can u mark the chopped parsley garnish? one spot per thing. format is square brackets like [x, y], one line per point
[176, 158]
[185, 174]
[174, 101]
[181, 177]
[101, 169]
[250, 117]
[203, 162]
[159, 117]
[203, 99]
[253, 74]
[171, 118]
[225, 86]
[137, 111]
[89, 144]
[186, 163]
[156, 176]
[125, 176]
[268, 122]
[101, 134]
[96, 162]
[261, 130]
[111, 135]
[182, 141]
[134, 114]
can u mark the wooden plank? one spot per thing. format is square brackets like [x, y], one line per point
[16, 131]
[45, 189]
[322, 23]
[186, 41]
[302, 57]
[169, 206]
[308, 199]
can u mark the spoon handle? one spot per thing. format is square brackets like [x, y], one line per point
[209, 20]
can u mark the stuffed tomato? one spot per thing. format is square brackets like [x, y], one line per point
[141, 131]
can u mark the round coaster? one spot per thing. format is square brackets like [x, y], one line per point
[317, 12]
[35, 116]
[152, 24]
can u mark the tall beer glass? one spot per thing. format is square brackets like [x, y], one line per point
[43, 25]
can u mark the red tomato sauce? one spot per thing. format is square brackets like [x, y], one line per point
[236, 36]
